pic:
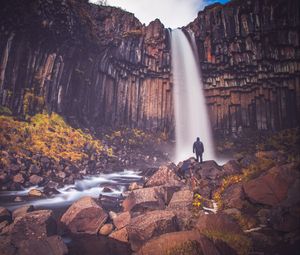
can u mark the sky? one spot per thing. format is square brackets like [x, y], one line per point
[172, 13]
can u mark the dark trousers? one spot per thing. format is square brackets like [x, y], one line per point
[199, 155]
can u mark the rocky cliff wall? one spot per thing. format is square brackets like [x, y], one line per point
[95, 64]
[250, 61]
[100, 66]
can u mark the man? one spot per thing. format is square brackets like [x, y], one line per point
[199, 149]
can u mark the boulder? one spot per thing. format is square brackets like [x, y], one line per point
[271, 188]
[285, 219]
[134, 186]
[209, 170]
[148, 225]
[3, 225]
[147, 198]
[217, 223]
[120, 235]
[35, 179]
[33, 225]
[18, 178]
[35, 193]
[21, 211]
[184, 242]
[5, 215]
[106, 229]
[165, 175]
[53, 245]
[84, 216]
[121, 220]
[233, 196]
[33, 169]
[232, 167]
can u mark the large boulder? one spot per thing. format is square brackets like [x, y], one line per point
[21, 211]
[184, 242]
[53, 245]
[33, 225]
[165, 175]
[232, 167]
[148, 225]
[151, 198]
[234, 197]
[209, 170]
[272, 188]
[84, 216]
[121, 220]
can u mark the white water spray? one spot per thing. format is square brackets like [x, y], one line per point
[191, 118]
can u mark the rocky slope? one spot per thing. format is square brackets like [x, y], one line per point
[101, 66]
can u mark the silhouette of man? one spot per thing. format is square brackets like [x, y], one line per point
[199, 149]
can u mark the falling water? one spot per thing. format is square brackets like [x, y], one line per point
[191, 118]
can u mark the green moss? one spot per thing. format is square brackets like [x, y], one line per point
[240, 243]
[186, 248]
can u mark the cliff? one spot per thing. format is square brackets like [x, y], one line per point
[100, 66]
[250, 61]
[95, 64]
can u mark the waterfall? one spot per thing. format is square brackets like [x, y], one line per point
[191, 118]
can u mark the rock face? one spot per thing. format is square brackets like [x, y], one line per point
[249, 58]
[101, 66]
[84, 216]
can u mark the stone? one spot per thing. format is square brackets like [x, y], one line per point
[53, 245]
[121, 220]
[5, 215]
[183, 242]
[21, 211]
[134, 186]
[150, 224]
[234, 197]
[35, 179]
[33, 169]
[84, 216]
[165, 175]
[3, 224]
[209, 170]
[271, 188]
[35, 193]
[33, 225]
[61, 175]
[18, 178]
[107, 190]
[18, 199]
[232, 167]
[106, 229]
[217, 223]
[180, 199]
[147, 198]
[120, 235]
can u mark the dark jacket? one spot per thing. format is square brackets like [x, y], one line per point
[198, 147]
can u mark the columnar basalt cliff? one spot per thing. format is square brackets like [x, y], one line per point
[250, 61]
[97, 64]
[101, 66]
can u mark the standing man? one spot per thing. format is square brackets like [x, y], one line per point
[199, 149]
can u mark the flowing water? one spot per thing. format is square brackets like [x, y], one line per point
[191, 117]
[89, 186]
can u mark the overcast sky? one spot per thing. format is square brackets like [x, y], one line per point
[172, 13]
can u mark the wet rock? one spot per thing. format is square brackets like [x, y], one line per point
[35, 193]
[165, 175]
[106, 229]
[33, 225]
[18, 199]
[18, 178]
[107, 190]
[5, 215]
[84, 216]
[35, 179]
[148, 225]
[21, 211]
[120, 235]
[3, 225]
[121, 220]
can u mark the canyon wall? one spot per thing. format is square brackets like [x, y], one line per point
[249, 55]
[99, 65]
